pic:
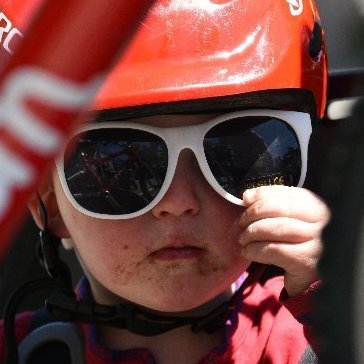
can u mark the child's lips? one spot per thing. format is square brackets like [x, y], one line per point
[175, 252]
[178, 245]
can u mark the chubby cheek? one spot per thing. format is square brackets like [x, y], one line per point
[107, 248]
[107, 252]
[227, 249]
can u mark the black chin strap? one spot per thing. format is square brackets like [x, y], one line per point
[131, 317]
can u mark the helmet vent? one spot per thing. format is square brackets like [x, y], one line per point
[316, 42]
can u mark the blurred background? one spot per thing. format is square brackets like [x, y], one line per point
[344, 29]
[344, 33]
[337, 175]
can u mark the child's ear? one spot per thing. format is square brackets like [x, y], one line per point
[54, 219]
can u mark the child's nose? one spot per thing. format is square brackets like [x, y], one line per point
[182, 197]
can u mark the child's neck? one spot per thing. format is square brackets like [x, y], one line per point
[179, 346]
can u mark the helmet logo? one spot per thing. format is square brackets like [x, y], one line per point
[295, 7]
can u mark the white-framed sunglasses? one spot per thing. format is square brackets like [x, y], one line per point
[121, 170]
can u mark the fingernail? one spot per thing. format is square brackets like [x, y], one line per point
[248, 195]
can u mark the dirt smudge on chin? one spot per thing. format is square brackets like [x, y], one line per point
[211, 267]
[124, 273]
[164, 275]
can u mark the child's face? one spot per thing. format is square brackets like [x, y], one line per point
[175, 257]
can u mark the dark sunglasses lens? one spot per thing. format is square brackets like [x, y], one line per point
[115, 171]
[248, 152]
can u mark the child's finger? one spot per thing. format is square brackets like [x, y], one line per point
[264, 192]
[280, 229]
[305, 209]
[299, 261]
[295, 259]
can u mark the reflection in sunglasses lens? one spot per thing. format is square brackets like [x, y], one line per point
[116, 171]
[249, 152]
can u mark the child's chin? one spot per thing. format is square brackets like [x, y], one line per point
[175, 309]
[177, 304]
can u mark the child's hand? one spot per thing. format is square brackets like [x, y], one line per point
[282, 226]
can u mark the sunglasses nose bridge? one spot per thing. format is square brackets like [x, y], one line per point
[181, 138]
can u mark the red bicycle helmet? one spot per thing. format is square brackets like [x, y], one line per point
[212, 54]
[221, 53]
